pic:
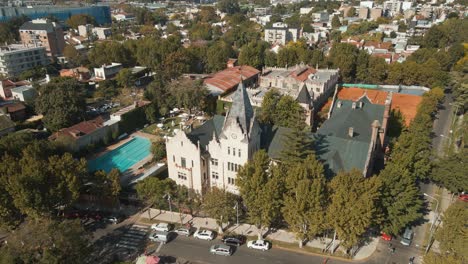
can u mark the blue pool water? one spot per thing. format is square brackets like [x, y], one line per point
[122, 157]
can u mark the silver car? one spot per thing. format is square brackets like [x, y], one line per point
[222, 250]
[183, 231]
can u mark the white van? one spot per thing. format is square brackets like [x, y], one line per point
[159, 236]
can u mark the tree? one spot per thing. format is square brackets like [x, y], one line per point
[152, 191]
[187, 199]
[80, 19]
[107, 89]
[104, 184]
[38, 183]
[220, 205]
[158, 149]
[444, 258]
[351, 12]
[377, 70]
[253, 54]
[353, 206]
[200, 31]
[125, 78]
[343, 56]
[305, 199]
[450, 172]
[46, 241]
[189, 94]
[335, 22]
[452, 236]
[267, 111]
[289, 113]
[229, 6]
[62, 102]
[299, 146]
[71, 53]
[177, 63]
[261, 188]
[217, 55]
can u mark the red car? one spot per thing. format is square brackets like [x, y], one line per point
[463, 197]
[386, 237]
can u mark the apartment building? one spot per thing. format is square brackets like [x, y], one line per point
[42, 32]
[15, 58]
[280, 33]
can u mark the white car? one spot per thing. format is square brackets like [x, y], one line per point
[204, 234]
[259, 244]
[183, 231]
[162, 227]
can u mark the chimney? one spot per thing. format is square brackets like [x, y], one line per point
[361, 104]
[339, 104]
[353, 105]
[351, 132]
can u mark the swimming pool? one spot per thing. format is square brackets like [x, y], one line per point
[122, 157]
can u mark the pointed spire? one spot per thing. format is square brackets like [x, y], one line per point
[241, 112]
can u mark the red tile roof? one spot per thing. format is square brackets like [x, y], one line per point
[407, 104]
[378, 45]
[229, 78]
[304, 75]
[80, 129]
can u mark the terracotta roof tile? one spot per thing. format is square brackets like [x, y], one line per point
[80, 129]
[229, 78]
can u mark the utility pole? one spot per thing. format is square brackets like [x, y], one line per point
[237, 212]
[169, 200]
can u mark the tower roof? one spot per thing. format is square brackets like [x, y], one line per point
[241, 112]
[303, 97]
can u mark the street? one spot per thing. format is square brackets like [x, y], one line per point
[197, 251]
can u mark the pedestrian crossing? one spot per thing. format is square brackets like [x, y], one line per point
[134, 237]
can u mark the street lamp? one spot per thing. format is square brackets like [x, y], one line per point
[433, 221]
[169, 200]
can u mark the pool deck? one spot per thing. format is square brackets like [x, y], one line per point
[137, 169]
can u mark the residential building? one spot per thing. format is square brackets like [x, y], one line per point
[6, 125]
[25, 93]
[15, 59]
[363, 13]
[375, 13]
[7, 85]
[262, 11]
[85, 30]
[106, 72]
[81, 135]
[393, 7]
[122, 16]
[118, 116]
[366, 4]
[42, 32]
[228, 79]
[102, 33]
[16, 111]
[305, 10]
[320, 83]
[80, 73]
[280, 33]
[210, 155]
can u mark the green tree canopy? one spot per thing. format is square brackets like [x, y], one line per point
[353, 206]
[158, 149]
[62, 102]
[125, 78]
[220, 205]
[152, 191]
[80, 19]
[229, 6]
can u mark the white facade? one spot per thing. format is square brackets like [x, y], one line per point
[368, 4]
[102, 33]
[214, 162]
[107, 71]
[14, 59]
[281, 34]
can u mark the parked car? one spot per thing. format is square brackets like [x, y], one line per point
[184, 231]
[163, 227]
[112, 219]
[259, 244]
[463, 197]
[235, 240]
[386, 237]
[407, 237]
[222, 250]
[204, 234]
[159, 236]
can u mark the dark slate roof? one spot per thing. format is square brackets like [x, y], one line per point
[303, 97]
[241, 111]
[360, 119]
[49, 27]
[332, 145]
[204, 133]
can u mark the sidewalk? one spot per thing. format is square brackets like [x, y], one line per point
[250, 230]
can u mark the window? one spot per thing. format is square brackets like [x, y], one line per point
[229, 166]
[214, 162]
[173, 158]
[214, 175]
[229, 150]
[192, 163]
[239, 152]
[182, 143]
[203, 162]
[234, 151]
[183, 163]
[182, 175]
[231, 181]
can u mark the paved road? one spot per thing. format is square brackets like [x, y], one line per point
[442, 124]
[197, 251]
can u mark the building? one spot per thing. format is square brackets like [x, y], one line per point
[122, 16]
[280, 33]
[81, 135]
[25, 93]
[375, 13]
[42, 32]
[106, 72]
[228, 79]
[102, 33]
[211, 155]
[16, 111]
[7, 85]
[320, 83]
[14, 59]
[79, 73]
[101, 14]
[367, 4]
[6, 125]
[393, 7]
[363, 13]
[85, 30]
